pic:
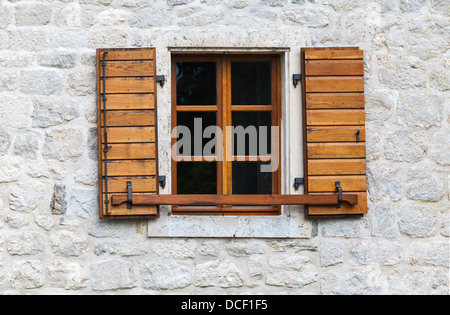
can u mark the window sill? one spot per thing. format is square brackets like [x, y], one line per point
[290, 224]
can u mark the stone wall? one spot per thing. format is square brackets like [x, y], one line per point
[51, 240]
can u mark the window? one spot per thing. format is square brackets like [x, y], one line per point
[225, 119]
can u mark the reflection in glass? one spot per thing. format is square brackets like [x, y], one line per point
[196, 178]
[196, 83]
[251, 83]
[196, 123]
[249, 180]
[253, 140]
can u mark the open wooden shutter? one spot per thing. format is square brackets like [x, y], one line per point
[128, 152]
[334, 122]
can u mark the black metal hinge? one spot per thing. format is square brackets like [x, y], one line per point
[161, 80]
[297, 79]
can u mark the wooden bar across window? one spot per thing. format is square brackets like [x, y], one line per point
[235, 200]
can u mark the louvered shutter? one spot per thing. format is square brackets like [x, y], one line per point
[334, 122]
[126, 85]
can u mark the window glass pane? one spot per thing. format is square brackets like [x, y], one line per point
[194, 141]
[196, 83]
[194, 178]
[251, 83]
[253, 137]
[249, 180]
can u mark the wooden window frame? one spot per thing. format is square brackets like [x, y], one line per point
[224, 111]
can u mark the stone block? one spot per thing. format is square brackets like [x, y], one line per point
[25, 196]
[291, 270]
[60, 60]
[429, 254]
[424, 184]
[165, 275]
[53, 111]
[420, 110]
[67, 275]
[26, 243]
[218, 273]
[63, 145]
[33, 15]
[40, 82]
[352, 282]
[27, 275]
[406, 145]
[417, 221]
[68, 243]
[112, 275]
[27, 144]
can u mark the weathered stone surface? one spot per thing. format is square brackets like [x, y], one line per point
[429, 254]
[352, 282]
[63, 145]
[244, 249]
[439, 75]
[405, 145]
[417, 221]
[441, 6]
[81, 83]
[291, 270]
[113, 275]
[165, 275]
[6, 17]
[26, 196]
[44, 220]
[61, 60]
[150, 17]
[10, 170]
[16, 221]
[84, 203]
[14, 111]
[179, 2]
[5, 142]
[58, 204]
[274, 3]
[218, 273]
[27, 144]
[380, 105]
[419, 110]
[68, 243]
[125, 248]
[87, 175]
[67, 275]
[440, 147]
[412, 5]
[40, 82]
[384, 220]
[110, 228]
[52, 112]
[349, 228]
[409, 282]
[33, 15]
[316, 18]
[177, 249]
[27, 275]
[9, 80]
[424, 184]
[331, 253]
[385, 253]
[406, 73]
[26, 243]
[384, 180]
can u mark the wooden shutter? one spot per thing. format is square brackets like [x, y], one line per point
[334, 122]
[126, 92]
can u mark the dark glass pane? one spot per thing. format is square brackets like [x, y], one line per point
[244, 139]
[251, 83]
[195, 178]
[196, 123]
[249, 180]
[196, 83]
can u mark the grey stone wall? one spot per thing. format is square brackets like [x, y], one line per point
[51, 240]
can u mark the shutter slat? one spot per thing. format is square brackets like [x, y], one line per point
[334, 84]
[335, 117]
[337, 167]
[334, 67]
[131, 128]
[334, 100]
[334, 127]
[130, 134]
[130, 101]
[335, 134]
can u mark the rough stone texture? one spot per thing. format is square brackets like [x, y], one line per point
[63, 145]
[113, 275]
[51, 239]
